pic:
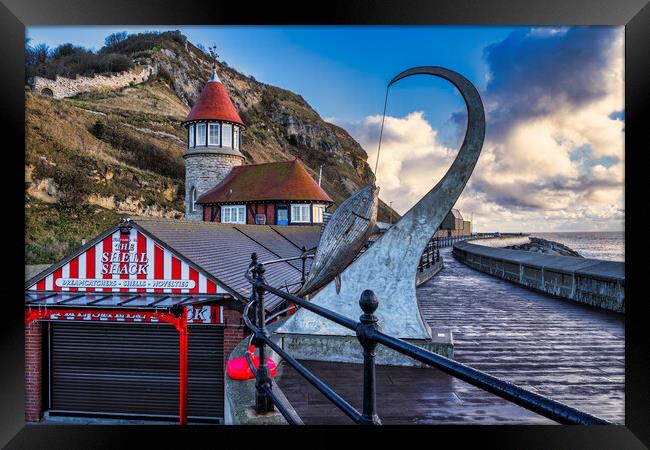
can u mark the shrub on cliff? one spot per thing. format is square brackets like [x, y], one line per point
[68, 61]
[140, 153]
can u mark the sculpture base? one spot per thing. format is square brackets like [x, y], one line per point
[347, 349]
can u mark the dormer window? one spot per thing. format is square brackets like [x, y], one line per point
[213, 134]
[233, 214]
[200, 135]
[300, 213]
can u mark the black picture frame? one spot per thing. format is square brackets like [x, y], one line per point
[16, 14]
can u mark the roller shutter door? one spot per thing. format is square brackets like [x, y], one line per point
[133, 370]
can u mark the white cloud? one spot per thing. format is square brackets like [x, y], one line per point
[553, 157]
[411, 157]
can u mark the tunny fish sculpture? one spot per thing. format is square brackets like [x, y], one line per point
[343, 238]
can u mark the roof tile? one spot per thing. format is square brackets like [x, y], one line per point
[285, 180]
[214, 104]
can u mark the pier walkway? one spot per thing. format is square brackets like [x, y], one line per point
[567, 351]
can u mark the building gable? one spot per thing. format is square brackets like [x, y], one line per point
[131, 262]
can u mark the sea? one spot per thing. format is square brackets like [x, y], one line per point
[606, 245]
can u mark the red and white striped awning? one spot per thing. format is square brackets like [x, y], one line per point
[133, 301]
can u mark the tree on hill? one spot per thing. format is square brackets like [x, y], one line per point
[115, 38]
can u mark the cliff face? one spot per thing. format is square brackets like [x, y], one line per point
[100, 155]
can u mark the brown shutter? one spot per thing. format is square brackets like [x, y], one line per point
[133, 370]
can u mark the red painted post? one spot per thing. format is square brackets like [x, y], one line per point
[183, 367]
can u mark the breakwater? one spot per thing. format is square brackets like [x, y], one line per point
[591, 281]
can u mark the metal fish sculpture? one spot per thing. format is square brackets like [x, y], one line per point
[344, 236]
[389, 266]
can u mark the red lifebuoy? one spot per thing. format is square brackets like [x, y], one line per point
[238, 368]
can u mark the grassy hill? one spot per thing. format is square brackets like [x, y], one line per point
[98, 156]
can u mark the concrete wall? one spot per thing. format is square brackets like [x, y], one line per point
[590, 281]
[239, 396]
[62, 87]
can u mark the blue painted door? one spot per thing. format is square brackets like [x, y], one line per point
[283, 216]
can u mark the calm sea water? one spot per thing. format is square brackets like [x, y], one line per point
[607, 245]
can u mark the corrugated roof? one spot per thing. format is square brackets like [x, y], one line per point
[225, 252]
[276, 243]
[302, 236]
[285, 180]
[214, 104]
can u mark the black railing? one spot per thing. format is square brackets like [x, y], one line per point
[369, 336]
[430, 256]
[446, 241]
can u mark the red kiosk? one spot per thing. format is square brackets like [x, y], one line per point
[139, 322]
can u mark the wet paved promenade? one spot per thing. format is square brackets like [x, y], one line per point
[567, 351]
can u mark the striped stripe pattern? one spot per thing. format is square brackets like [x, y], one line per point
[162, 265]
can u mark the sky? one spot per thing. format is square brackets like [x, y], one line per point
[553, 157]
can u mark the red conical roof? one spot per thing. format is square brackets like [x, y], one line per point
[214, 104]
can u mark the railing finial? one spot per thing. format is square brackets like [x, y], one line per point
[368, 302]
[260, 269]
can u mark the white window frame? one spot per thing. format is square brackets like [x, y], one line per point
[212, 125]
[238, 210]
[201, 126]
[235, 137]
[318, 212]
[226, 135]
[190, 143]
[299, 217]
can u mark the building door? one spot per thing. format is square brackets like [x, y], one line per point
[103, 369]
[282, 216]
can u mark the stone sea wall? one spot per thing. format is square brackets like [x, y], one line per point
[63, 87]
[591, 281]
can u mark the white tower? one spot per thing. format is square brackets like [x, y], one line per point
[213, 142]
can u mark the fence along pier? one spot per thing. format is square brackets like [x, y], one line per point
[369, 337]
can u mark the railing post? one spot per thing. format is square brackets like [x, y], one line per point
[303, 257]
[369, 304]
[263, 403]
[251, 267]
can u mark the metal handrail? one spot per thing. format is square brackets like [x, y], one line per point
[369, 336]
[313, 379]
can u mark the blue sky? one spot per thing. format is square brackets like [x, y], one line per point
[553, 157]
[342, 72]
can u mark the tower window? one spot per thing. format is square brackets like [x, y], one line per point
[213, 134]
[300, 214]
[194, 197]
[200, 134]
[235, 137]
[227, 135]
[190, 140]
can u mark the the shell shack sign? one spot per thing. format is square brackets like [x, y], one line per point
[126, 259]
[137, 274]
